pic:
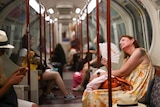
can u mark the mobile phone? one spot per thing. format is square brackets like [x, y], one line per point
[23, 71]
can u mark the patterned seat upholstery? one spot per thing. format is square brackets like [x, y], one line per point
[152, 98]
[155, 94]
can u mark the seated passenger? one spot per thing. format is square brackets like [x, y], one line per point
[58, 58]
[74, 44]
[8, 97]
[92, 63]
[34, 61]
[78, 61]
[53, 77]
[34, 57]
[137, 69]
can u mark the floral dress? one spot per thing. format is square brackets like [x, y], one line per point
[139, 79]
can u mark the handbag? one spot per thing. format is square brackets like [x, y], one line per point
[116, 82]
[77, 78]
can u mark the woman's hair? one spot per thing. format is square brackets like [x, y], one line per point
[101, 39]
[24, 41]
[135, 43]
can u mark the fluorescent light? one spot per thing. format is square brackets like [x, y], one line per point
[47, 18]
[92, 5]
[77, 10]
[35, 5]
[83, 16]
[50, 10]
[74, 19]
[55, 19]
[51, 21]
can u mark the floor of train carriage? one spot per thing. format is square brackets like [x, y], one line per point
[59, 101]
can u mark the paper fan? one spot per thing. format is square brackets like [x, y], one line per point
[115, 54]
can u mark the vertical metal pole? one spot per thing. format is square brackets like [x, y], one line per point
[40, 29]
[50, 39]
[108, 26]
[98, 36]
[78, 35]
[81, 39]
[45, 37]
[87, 25]
[53, 36]
[28, 46]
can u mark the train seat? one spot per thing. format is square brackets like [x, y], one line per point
[22, 88]
[153, 93]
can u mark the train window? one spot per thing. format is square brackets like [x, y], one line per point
[142, 29]
[14, 25]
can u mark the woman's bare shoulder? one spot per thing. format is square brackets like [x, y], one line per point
[143, 56]
[140, 51]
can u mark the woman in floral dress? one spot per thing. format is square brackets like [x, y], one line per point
[137, 69]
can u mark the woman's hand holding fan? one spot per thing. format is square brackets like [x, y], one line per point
[115, 55]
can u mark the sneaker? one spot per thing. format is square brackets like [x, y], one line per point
[50, 95]
[69, 97]
[78, 88]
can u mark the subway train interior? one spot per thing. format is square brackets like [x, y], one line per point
[49, 23]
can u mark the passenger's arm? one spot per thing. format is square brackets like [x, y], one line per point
[135, 59]
[15, 78]
[90, 51]
[93, 60]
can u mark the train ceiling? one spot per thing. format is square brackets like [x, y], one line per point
[64, 10]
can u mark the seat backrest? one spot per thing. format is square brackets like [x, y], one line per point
[152, 96]
[146, 100]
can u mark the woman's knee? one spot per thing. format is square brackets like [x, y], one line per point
[35, 105]
[51, 75]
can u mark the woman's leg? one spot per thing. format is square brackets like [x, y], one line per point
[55, 76]
[84, 70]
[84, 75]
[50, 86]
